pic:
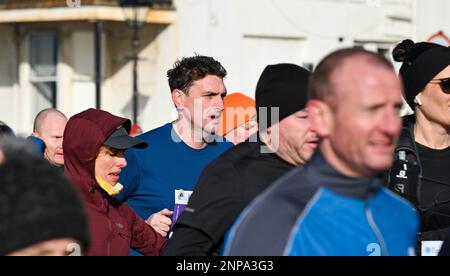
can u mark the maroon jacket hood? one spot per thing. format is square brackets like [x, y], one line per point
[84, 134]
[114, 227]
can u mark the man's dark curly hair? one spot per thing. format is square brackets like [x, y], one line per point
[190, 69]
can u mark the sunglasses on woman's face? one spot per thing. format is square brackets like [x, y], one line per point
[444, 83]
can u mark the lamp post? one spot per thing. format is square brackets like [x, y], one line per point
[135, 12]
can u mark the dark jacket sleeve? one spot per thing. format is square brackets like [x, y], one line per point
[188, 241]
[213, 207]
[445, 249]
[144, 238]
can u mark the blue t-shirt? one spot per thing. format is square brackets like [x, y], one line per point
[167, 164]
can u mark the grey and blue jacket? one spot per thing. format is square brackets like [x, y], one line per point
[315, 210]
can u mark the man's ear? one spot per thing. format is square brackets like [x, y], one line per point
[321, 118]
[178, 98]
[265, 135]
[35, 134]
[268, 130]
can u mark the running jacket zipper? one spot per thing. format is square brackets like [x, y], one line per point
[376, 231]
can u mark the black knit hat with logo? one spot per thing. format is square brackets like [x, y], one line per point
[421, 63]
[284, 86]
[37, 204]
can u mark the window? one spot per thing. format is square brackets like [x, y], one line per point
[43, 61]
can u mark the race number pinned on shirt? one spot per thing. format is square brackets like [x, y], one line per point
[181, 201]
[431, 248]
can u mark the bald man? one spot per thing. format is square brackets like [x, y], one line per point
[49, 126]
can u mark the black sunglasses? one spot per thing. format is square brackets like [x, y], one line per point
[444, 83]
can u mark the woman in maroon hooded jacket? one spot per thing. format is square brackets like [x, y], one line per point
[94, 145]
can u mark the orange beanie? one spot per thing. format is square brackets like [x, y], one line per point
[238, 109]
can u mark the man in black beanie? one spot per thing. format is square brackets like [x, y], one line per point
[229, 183]
[40, 212]
[420, 171]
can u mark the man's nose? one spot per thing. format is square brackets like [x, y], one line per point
[391, 123]
[219, 103]
[60, 143]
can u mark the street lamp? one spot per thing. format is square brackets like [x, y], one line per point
[135, 12]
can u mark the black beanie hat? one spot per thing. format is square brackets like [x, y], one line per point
[421, 63]
[5, 130]
[37, 204]
[284, 86]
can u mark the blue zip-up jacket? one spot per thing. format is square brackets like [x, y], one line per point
[315, 210]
